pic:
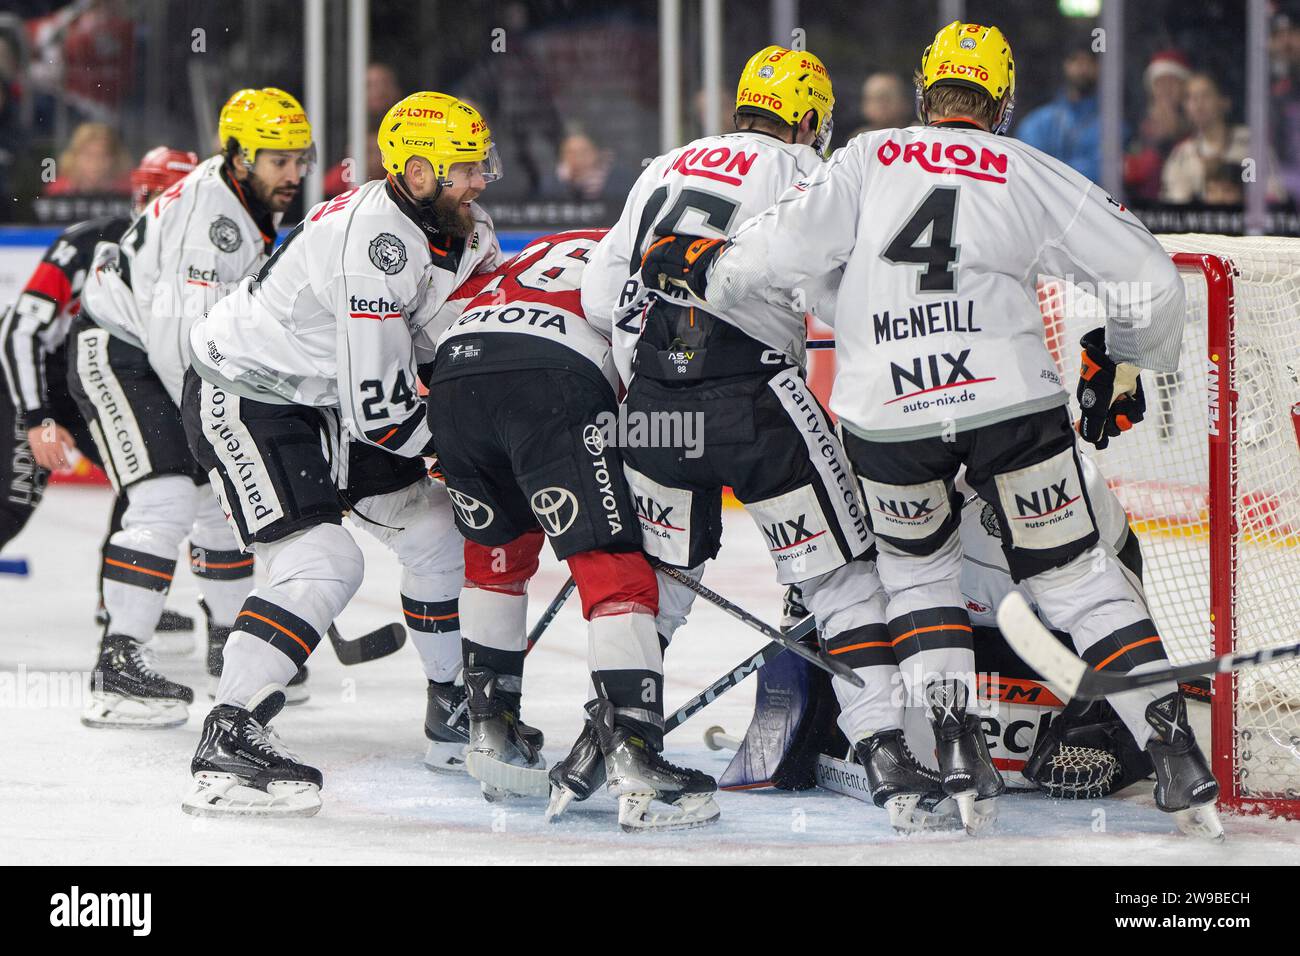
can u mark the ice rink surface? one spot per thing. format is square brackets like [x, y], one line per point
[72, 795]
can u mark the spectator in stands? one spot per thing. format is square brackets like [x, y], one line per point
[888, 102]
[1284, 50]
[582, 168]
[94, 162]
[1163, 126]
[382, 91]
[1213, 142]
[12, 132]
[1223, 186]
[1069, 127]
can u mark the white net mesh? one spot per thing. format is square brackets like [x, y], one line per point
[1160, 472]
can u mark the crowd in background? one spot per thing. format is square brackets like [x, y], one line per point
[69, 73]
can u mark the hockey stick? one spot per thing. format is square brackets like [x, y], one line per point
[16, 566]
[1060, 666]
[764, 655]
[820, 344]
[368, 647]
[534, 636]
[833, 667]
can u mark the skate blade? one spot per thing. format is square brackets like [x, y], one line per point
[173, 643]
[501, 779]
[976, 815]
[134, 713]
[636, 814]
[445, 757]
[561, 797]
[222, 795]
[1201, 822]
[907, 816]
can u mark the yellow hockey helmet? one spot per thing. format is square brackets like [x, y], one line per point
[974, 56]
[787, 84]
[440, 129]
[268, 118]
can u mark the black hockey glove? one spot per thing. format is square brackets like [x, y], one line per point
[1103, 412]
[681, 261]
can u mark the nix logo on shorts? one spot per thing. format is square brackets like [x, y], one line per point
[652, 512]
[904, 510]
[556, 509]
[473, 513]
[786, 534]
[1044, 503]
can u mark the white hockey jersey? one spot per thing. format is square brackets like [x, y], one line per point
[705, 188]
[182, 254]
[342, 314]
[942, 233]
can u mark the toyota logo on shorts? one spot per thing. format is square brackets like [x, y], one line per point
[473, 513]
[592, 438]
[556, 510]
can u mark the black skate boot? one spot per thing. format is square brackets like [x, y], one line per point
[240, 767]
[125, 690]
[295, 692]
[638, 775]
[498, 753]
[899, 784]
[792, 608]
[172, 632]
[1185, 786]
[446, 725]
[578, 775]
[171, 622]
[966, 770]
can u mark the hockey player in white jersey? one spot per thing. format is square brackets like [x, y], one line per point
[939, 232]
[302, 405]
[740, 373]
[140, 298]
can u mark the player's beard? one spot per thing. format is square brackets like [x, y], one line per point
[450, 218]
[277, 200]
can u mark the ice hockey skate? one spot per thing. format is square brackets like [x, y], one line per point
[499, 755]
[578, 775]
[242, 769]
[966, 770]
[1185, 786]
[642, 781]
[126, 691]
[899, 784]
[446, 725]
[173, 637]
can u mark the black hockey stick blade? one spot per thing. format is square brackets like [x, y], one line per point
[1060, 666]
[830, 665]
[764, 655]
[368, 647]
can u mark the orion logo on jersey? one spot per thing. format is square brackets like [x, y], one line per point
[938, 372]
[718, 163]
[947, 159]
[1044, 503]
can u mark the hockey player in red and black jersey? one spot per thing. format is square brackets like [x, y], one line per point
[521, 400]
[41, 428]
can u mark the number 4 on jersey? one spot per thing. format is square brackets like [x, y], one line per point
[926, 239]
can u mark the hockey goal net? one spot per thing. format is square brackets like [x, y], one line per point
[1211, 484]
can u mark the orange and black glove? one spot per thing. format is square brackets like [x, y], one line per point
[681, 261]
[1110, 394]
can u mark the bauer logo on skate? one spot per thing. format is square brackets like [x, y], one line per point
[129, 910]
[953, 158]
